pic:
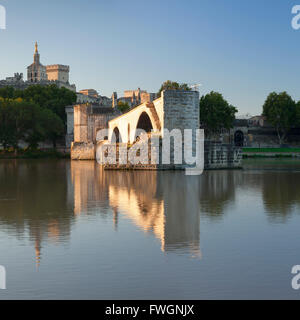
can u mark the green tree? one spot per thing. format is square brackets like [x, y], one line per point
[7, 128]
[281, 112]
[50, 97]
[48, 125]
[26, 121]
[123, 106]
[216, 113]
[298, 114]
[7, 92]
[53, 126]
[171, 85]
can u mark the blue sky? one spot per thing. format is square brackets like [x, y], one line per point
[243, 49]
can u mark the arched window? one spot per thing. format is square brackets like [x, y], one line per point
[239, 139]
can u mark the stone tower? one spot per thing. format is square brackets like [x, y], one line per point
[114, 98]
[58, 72]
[36, 72]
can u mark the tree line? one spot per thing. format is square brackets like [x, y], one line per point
[37, 114]
[33, 115]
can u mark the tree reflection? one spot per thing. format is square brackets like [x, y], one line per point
[41, 200]
[281, 194]
[33, 201]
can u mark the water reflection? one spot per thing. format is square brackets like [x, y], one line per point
[217, 192]
[41, 200]
[33, 201]
[146, 198]
[281, 194]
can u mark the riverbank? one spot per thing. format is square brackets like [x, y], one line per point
[271, 153]
[35, 154]
[247, 153]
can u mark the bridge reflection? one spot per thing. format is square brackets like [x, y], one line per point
[156, 202]
[42, 200]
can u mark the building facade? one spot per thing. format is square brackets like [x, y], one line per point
[133, 97]
[139, 96]
[44, 75]
[58, 72]
[36, 72]
[89, 92]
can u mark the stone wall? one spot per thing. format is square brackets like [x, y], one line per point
[262, 137]
[180, 110]
[82, 151]
[22, 85]
[216, 156]
[222, 156]
[88, 119]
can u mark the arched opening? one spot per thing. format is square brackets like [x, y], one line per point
[144, 123]
[116, 136]
[99, 135]
[239, 139]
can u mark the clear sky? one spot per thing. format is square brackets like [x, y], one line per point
[243, 49]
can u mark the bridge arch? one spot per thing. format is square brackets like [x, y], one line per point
[116, 136]
[144, 123]
[147, 117]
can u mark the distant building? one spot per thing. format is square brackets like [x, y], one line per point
[89, 92]
[82, 98]
[133, 97]
[36, 72]
[18, 77]
[139, 96]
[114, 99]
[58, 72]
[99, 111]
[92, 96]
[85, 120]
[44, 75]
[259, 121]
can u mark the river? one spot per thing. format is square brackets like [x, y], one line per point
[69, 230]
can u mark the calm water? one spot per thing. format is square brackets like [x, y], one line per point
[69, 230]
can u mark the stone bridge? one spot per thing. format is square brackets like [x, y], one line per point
[173, 110]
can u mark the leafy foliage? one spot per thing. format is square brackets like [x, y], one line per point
[216, 113]
[50, 97]
[26, 121]
[123, 106]
[171, 85]
[281, 112]
[33, 115]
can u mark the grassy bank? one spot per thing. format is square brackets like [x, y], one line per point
[271, 152]
[34, 154]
